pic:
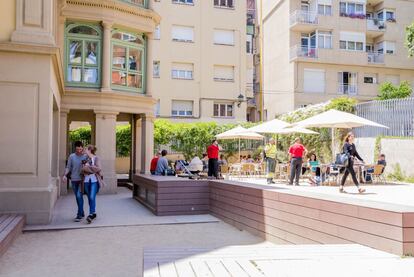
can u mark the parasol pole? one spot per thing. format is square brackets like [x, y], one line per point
[333, 143]
[239, 151]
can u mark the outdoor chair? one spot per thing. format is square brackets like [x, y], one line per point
[333, 176]
[377, 174]
[247, 170]
[224, 170]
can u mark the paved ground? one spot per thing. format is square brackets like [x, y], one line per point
[113, 210]
[111, 251]
[395, 194]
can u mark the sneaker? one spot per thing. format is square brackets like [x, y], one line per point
[90, 218]
[78, 218]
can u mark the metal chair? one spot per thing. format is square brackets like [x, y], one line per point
[377, 174]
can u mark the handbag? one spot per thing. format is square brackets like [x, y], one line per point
[342, 159]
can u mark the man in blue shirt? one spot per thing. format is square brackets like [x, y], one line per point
[162, 164]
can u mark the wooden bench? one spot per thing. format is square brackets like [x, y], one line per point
[11, 226]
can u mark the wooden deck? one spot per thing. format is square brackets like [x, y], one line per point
[10, 227]
[245, 261]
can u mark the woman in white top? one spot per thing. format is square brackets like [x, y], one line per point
[92, 180]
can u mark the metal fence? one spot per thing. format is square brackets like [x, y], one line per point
[397, 114]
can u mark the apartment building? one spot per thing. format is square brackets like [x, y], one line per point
[197, 60]
[65, 61]
[320, 49]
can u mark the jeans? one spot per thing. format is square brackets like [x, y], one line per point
[295, 170]
[76, 186]
[91, 189]
[350, 169]
[270, 168]
[213, 167]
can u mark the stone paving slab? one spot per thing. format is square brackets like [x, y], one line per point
[113, 210]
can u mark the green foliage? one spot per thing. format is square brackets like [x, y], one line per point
[409, 39]
[344, 104]
[81, 134]
[163, 131]
[389, 91]
[377, 147]
[397, 174]
[123, 140]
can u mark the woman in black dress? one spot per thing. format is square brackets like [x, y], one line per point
[350, 149]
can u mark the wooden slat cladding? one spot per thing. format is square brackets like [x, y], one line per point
[306, 220]
[166, 195]
[10, 227]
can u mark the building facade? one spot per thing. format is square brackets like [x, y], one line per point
[197, 60]
[63, 61]
[317, 50]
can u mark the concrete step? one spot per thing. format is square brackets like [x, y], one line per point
[11, 226]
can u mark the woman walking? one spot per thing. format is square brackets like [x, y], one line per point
[92, 179]
[350, 149]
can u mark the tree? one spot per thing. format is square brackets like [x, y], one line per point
[409, 39]
[163, 132]
[344, 104]
[123, 140]
[390, 91]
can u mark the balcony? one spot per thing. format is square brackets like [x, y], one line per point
[347, 89]
[303, 21]
[375, 27]
[375, 57]
[303, 52]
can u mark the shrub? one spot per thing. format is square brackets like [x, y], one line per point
[389, 91]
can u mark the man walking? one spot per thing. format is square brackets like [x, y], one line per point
[296, 153]
[213, 155]
[270, 151]
[74, 167]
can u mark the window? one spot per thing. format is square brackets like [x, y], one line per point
[351, 9]
[182, 71]
[128, 53]
[369, 48]
[325, 40]
[182, 33]
[157, 32]
[189, 2]
[224, 37]
[223, 110]
[351, 41]
[136, 2]
[324, 9]
[313, 81]
[389, 16]
[83, 44]
[224, 3]
[347, 83]
[370, 78]
[389, 47]
[223, 73]
[156, 69]
[182, 108]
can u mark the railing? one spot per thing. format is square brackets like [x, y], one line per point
[375, 25]
[303, 51]
[397, 114]
[348, 89]
[375, 57]
[305, 17]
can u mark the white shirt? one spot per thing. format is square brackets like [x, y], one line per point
[91, 177]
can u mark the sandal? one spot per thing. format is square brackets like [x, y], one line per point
[361, 190]
[341, 190]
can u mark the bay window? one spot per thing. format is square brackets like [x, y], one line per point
[82, 57]
[128, 52]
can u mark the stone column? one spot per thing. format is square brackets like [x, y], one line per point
[105, 137]
[106, 56]
[63, 146]
[147, 145]
[34, 22]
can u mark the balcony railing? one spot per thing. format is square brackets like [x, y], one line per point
[347, 89]
[375, 25]
[375, 57]
[303, 51]
[305, 17]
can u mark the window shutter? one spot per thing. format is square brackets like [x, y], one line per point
[182, 33]
[314, 81]
[222, 72]
[224, 37]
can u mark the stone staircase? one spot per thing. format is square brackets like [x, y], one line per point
[11, 226]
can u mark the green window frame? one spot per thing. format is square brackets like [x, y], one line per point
[83, 55]
[128, 61]
[139, 3]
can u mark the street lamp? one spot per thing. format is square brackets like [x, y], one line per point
[240, 99]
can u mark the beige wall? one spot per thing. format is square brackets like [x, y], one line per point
[8, 19]
[286, 75]
[202, 90]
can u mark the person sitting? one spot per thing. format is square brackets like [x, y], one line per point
[162, 164]
[249, 159]
[244, 159]
[154, 162]
[205, 162]
[315, 170]
[380, 161]
[222, 160]
[196, 165]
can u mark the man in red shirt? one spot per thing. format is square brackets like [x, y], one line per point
[296, 153]
[213, 155]
[154, 162]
